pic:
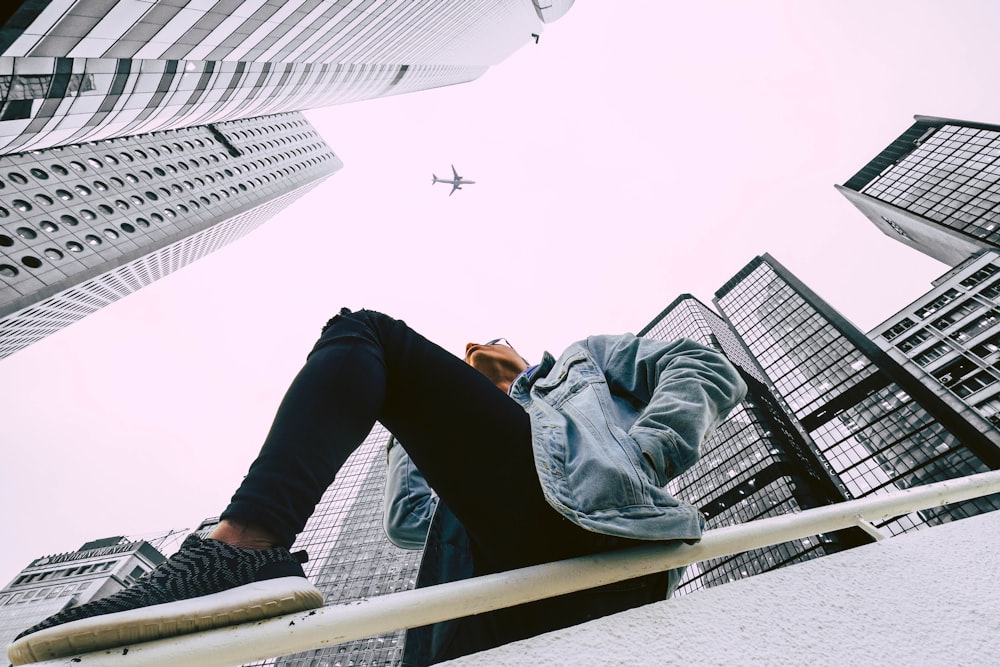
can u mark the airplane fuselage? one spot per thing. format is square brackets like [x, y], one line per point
[456, 183]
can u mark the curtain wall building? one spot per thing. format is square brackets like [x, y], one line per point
[350, 557]
[936, 188]
[832, 414]
[876, 425]
[73, 71]
[758, 463]
[136, 137]
[84, 225]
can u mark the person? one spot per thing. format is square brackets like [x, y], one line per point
[532, 464]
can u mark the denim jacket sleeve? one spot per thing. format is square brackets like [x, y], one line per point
[686, 390]
[409, 501]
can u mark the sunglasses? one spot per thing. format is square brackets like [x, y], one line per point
[499, 341]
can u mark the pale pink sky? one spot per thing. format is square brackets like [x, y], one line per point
[642, 149]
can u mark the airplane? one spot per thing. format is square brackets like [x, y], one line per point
[456, 183]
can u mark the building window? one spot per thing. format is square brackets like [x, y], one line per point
[991, 409]
[957, 314]
[932, 353]
[916, 339]
[981, 324]
[979, 276]
[973, 384]
[991, 291]
[954, 372]
[988, 347]
[936, 304]
[898, 328]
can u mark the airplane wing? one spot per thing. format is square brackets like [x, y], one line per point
[455, 173]
[454, 186]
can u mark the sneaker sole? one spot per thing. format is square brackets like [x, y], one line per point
[251, 602]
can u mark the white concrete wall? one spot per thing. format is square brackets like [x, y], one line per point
[928, 598]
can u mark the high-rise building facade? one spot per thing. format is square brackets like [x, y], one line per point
[74, 71]
[50, 583]
[136, 137]
[84, 225]
[936, 188]
[950, 339]
[758, 463]
[875, 424]
[350, 557]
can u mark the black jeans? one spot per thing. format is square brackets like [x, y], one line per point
[469, 439]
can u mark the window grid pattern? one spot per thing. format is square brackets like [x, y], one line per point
[952, 178]
[83, 71]
[809, 361]
[350, 558]
[876, 439]
[50, 583]
[960, 350]
[82, 226]
[741, 474]
[775, 500]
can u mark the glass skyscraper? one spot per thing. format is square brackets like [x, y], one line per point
[875, 424]
[136, 137]
[83, 70]
[82, 226]
[351, 558]
[936, 188]
[758, 463]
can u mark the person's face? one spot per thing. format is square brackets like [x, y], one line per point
[497, 361]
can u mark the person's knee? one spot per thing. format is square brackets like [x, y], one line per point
[366, 323]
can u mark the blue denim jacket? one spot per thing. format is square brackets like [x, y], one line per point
[617, 417]
[612, 420]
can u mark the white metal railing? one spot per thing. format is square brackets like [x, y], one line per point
[332, 625]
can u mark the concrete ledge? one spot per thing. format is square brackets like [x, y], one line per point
[928, 598]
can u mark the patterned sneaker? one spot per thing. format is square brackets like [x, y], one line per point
[207, 584]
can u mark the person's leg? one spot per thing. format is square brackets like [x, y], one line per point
[469, 439]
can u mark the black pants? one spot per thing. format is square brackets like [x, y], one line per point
[469, 439]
